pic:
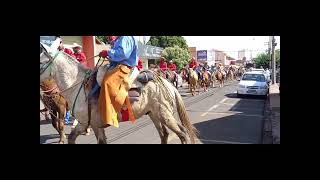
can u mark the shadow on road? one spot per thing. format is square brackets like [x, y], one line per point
[233, 95]
[44, 122]
[44, 138]
[243, 127]
[232, 129]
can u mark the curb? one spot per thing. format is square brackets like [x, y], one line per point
[271, 126]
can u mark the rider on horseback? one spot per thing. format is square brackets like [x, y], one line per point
[206, 67]
[193, 63]
[114, 88]
[195, 66]
[163, 64]
[172, 66]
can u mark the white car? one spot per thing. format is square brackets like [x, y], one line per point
[263, 71]
[253, 83]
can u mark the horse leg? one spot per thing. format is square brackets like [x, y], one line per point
[61, 131]
[172, 124]
[162, 130]
[168, 120]
[79, 129]
[46, 115]
[88, 130]
[100, 134]
[62, 112]
[55, 121]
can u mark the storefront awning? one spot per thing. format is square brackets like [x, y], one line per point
[149, 52]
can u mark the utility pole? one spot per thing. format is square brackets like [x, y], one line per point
[269, 52]
[273, 60]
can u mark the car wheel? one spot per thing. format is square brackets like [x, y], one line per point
[265, 96]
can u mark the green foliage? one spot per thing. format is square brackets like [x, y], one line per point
[168, 41]
[179, 56]
[262, 60]
[102, 39]
[277, 56]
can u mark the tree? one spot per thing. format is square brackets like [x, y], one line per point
[262, 60]
[168, 41]
[277, 56]
[102, 39]
[178, 55]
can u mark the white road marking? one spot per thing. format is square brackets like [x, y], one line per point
[213, 107]
[223, 100]
[238, 114]
[231, 104]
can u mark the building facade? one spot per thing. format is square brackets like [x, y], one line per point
[193, 52]
[220, 57]
[148, 54]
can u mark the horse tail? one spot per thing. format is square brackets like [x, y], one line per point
[184, 118]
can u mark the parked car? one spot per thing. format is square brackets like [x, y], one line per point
[264, 72]
[253, 83]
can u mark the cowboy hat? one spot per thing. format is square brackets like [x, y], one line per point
[76, 45]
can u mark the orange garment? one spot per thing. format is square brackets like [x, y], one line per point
[114, 94]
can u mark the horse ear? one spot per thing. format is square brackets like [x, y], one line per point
[54, 46]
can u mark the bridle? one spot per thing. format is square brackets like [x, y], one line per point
[47, 64]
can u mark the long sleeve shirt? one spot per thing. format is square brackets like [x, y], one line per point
[124, 51]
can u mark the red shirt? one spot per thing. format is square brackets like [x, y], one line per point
[193, 64]
[172, 66]
[139, 64]
[80, 57]
[69, 51]
[163, 65]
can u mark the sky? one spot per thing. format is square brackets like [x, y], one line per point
[231, 44]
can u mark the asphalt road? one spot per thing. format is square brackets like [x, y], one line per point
[219, 115]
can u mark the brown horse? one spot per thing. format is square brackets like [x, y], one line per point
[185, 75]
[220, 77]
[172, 77]
[230, 75]
[206, 80]
[193, 81]
[55, 103]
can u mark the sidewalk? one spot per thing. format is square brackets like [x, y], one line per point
[274, 100]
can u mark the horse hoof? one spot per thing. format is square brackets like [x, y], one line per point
[61, 142]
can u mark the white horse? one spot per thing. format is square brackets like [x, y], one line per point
[158, 99]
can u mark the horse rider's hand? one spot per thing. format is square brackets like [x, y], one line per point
[103, 53]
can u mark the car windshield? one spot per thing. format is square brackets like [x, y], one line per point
[254, 77]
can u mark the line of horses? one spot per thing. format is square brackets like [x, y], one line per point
[205, 79]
